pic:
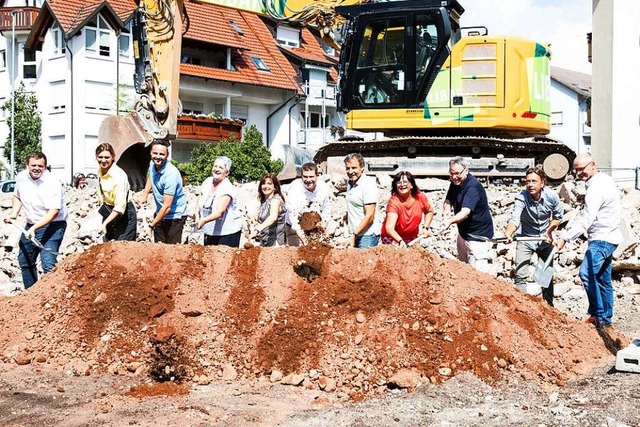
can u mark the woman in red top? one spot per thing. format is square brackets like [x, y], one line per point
[405, 211]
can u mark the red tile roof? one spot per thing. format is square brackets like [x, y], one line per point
[208, 23]
[311, 50]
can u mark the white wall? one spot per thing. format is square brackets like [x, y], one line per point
[616, 87]
[566, 101]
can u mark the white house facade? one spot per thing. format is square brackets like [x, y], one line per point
[570, 98]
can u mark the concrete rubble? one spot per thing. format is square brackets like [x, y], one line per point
[84, 220]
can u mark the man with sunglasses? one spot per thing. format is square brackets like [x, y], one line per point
[471, 214]
[600, 220]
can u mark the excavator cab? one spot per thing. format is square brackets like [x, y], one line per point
[393, 51]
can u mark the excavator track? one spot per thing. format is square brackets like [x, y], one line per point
[429, 156]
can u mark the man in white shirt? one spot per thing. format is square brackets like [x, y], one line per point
[305, 195]
[362, 198]
[40, 194]
[600, 220]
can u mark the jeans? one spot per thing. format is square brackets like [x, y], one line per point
[595, 273]
[524, 251]
[51, 238]
[367, 241]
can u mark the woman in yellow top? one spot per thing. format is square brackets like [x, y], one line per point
[119, 216]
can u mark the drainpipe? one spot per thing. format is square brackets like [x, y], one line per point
[273, 113]
[289, 114]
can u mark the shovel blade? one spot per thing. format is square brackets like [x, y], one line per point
[543, 274]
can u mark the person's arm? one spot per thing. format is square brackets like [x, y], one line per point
[556, 217]
[459, 217]
[516, 217]
[167, 201]
[274, 209]
[16, 205]
[390, 228]
[428, 214]
[141, 197]
[592, 204]
[121, 191]
[44, 221]
[221, 207]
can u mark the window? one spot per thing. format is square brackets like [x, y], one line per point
[58, 98]
[98, 37]
[315, 120]
[29, 63]
[259, 63]
[189, 107]
[380, 73]
[99, 97]
[3, 60]
[189, 59]
[556, 118]
[288, 36]
[124, 42]
[59, 47]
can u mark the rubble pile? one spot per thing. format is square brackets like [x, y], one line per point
[350, 322]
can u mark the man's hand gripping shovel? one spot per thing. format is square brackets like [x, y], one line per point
[32, 238]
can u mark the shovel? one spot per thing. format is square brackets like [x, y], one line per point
[544, 272]
[504, 239]
[33, 240]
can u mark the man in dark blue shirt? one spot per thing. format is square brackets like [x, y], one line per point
[471, 214]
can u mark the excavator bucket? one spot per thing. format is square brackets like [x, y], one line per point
[122, 132]
[294, 158]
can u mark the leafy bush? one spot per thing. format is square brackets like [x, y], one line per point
[251, 159]
[28, 125]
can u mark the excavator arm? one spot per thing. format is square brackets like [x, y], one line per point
[157, 29]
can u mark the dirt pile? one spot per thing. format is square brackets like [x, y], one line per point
[355, 321]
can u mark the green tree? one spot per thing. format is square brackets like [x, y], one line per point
[251, 159]
[28, 125]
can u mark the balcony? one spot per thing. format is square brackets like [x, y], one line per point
[207, 129]
[25, 17]
[320, 95]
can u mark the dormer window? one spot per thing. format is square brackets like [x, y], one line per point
[287, 36]
[98, 37]
[59, 47]
[259, 63]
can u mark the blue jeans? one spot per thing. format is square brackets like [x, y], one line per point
[367, 241]
[595, 273]
[51, 238]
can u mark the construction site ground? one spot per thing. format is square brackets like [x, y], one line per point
[146, 334]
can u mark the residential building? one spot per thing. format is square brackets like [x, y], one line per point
[250, 68]
[17, 64]
[570, 99]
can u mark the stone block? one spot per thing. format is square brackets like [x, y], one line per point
[628, 359]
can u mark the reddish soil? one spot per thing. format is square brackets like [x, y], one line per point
[177, 314]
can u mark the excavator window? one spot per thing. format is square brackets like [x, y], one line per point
[381, 69]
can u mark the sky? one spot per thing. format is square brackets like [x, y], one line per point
[562, 23]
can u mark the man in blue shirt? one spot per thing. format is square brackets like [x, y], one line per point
[471, 214]
[537, 212]
[171, 203]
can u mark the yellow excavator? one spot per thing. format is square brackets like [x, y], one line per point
[406, 74]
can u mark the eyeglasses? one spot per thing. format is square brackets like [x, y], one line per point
[582, 168]
[459, 173]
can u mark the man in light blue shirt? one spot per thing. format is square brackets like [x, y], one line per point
[537, 212]
[171, 203]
